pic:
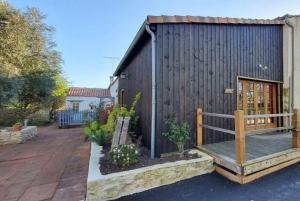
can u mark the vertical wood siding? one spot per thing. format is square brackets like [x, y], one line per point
[196, 62]
[138, 79]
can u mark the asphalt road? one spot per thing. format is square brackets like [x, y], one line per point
[283, 185]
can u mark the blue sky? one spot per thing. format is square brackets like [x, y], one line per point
[88, 30]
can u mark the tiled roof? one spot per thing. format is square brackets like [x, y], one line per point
[88, 92]
[209, 20]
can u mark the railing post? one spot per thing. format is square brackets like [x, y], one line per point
[199, 127]
[240, 145]
[296, 130]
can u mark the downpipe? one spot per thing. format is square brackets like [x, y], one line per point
[153, 110]
[291, 105]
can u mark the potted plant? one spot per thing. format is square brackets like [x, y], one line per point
[17, 126]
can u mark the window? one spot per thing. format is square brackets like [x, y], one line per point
[75, 106]
[250, 102]
[260, 101]
[257, 97]
[122, 98]
[240, 95]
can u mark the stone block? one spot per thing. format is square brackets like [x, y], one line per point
[7, 136]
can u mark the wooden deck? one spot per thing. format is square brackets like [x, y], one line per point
[264, 154]
[256, 145]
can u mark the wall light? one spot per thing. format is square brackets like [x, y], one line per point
[123, 75]
[263, 66]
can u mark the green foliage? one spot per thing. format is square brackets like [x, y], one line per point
[178, 134]
[119, 111]
[18, 123]
[30, 64]
[38, 123]
[97, 134]
[7, 122]
[100, 137]
[59, 92]
[134, 118]
[87, 132]
[124, 155]
[136, 99]
[111, 121]
[34, 94]
[91, 129]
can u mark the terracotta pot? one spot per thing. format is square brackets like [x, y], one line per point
[17, 127]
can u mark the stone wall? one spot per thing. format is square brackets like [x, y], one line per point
[7, 136]
[115, 185]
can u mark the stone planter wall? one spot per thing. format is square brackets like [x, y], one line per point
[115, 185]
[7, 136]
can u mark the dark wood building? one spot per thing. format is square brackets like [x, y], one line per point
[218, 64]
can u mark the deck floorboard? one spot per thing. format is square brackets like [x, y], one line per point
[256, 145]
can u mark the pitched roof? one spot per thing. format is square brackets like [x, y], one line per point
[209, 20]
[188, 19]
[88, 92]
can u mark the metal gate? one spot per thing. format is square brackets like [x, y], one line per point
[73, 118]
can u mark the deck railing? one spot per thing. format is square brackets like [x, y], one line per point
[240, 130]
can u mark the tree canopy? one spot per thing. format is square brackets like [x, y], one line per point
[30, 73]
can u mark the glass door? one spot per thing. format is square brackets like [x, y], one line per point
[256, 97]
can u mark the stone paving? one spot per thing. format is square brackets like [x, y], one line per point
[52, 166]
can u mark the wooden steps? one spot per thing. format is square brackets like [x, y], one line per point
[244, 179]
[255, 168]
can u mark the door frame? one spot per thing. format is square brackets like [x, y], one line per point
[276, 104]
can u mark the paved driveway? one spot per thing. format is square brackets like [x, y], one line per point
[280, 186]
[53, 166]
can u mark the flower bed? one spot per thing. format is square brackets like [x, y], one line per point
[8, 136]
[107, 167]
[115, 185]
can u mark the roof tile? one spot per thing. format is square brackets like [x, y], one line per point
[88, 92]
[212, 20]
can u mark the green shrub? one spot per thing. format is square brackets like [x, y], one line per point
[119, 111]
[124, 155]
[18, 123]
[91, 129]
[112, 117]
[97, 134]
[7, 122]
[178, 134]
[100, 137]
[38, 123]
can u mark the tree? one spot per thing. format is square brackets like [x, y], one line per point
[30, 64]
[59, 93]
[35, 93]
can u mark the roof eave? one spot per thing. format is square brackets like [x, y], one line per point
[132, 45]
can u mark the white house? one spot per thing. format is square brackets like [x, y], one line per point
[87, 98]
[113, 89]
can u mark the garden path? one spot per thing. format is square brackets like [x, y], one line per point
[52, 166]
